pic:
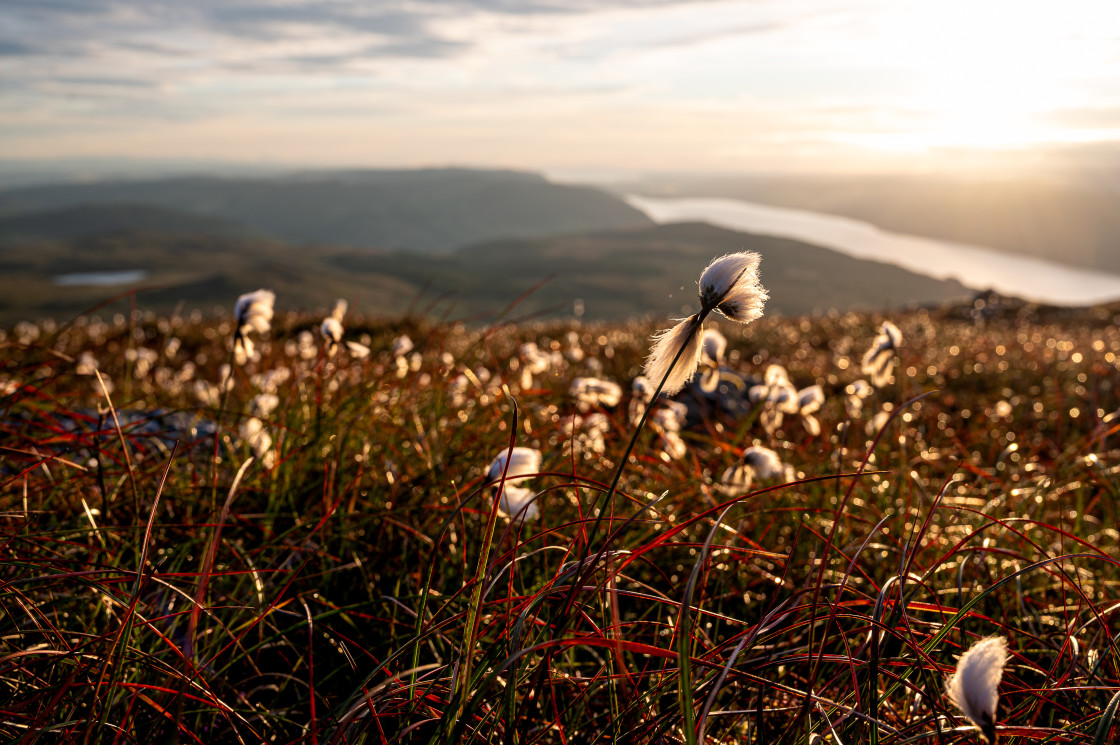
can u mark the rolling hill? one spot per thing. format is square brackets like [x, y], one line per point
[93, 219]
[426, 211]
[618, 274]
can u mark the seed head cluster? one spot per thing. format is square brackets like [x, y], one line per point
[730, 285]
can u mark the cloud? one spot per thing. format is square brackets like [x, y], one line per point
[88, 44]
[60, 8]
[420, 48]
[106, 82]
[267, 20]
[749, 29]
[407, 29]
[706, 82]
[92, 29]
[9, 48]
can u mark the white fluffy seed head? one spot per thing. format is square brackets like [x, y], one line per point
[736, 480]
[667, 419]
[974, 687]
[254, 434]
[331, 329]
[710, 378]
[892, 334]
[254, 310]
[776, 375]
[779, 397]
[402, 345]
[879, 359]
[263, 404]
[764, 462]
[523, 463]
[519, 503]
[534, 359]
[666, 345]
[810, 399]
[596, 422]
[731, 285]
[642, 388]
[591, 392]
[339, 310]
[859, 389]
[356, 350]
[673, 446]
[877, 423]
[787, 401]
[713, 346]
[243, 349]
[812, 425]
[876, 363]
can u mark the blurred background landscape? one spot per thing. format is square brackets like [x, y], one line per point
[450, 157]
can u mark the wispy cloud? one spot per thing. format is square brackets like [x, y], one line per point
[542, 83]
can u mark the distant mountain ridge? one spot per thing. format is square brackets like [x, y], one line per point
[427, 211]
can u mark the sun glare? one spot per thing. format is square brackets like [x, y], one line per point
[990, 73]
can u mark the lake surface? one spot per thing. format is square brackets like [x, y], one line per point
[100, 279]
[975, 266]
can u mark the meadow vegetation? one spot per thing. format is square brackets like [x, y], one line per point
[308, 548]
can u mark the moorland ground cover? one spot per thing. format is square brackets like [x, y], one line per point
[307, 547]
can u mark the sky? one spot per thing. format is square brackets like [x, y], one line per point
[578, 86]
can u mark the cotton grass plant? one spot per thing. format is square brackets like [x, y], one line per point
[331, 328]
[730, 285]
[713, 345]
[252, 313]
[974, 685]
[879, 360]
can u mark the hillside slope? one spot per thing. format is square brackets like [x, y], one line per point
[424, 210]
[617, 274]
[621, 274]
[93, 219]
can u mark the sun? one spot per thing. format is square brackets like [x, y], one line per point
[991, 73]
